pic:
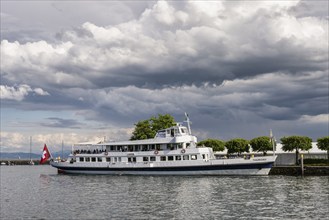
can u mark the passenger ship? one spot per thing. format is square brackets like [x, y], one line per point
[173, 151]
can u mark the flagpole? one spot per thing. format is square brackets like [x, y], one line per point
[51, 156]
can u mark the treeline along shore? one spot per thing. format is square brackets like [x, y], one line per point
[309, 170]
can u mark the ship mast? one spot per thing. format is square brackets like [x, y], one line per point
[188, 123]
[31, 161]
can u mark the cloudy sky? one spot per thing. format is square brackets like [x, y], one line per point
[82, 70]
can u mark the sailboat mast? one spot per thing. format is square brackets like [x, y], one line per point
[62, 148]
[30, 147]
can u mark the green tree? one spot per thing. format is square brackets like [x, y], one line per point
[161, 122]
[261, 144]
[216, 145]
[142, 130]
[237, 145]
[146, 129]
[323, 144]
[296, 143]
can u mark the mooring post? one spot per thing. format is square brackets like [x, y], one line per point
[302, 163]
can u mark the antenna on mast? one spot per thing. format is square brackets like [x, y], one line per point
[187, 120]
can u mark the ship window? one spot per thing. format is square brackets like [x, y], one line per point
[193, 157]
[119, 159]
[203, 156]
[93, 159]
[170, 158]
[152, 158]
[112, 148]
[186, 157]
[87, 159]
[182, 130]
[163, 158]
[178, 158]
[168, 131]
[108, 159]
[145, 159]
[99, 159]
[131, 159]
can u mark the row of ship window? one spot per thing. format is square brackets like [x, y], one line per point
[144, 159]
[146, 147]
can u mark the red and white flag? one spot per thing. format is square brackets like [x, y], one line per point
[45, 155]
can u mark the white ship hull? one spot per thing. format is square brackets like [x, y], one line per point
[237, 172]
[261, 166]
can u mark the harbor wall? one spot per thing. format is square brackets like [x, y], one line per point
[297, 171]
[288, 159]
[284, 159]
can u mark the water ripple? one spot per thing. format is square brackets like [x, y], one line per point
[39, 193]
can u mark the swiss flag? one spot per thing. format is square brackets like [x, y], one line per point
[45, 155]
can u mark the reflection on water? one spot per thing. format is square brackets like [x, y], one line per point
[38, 192]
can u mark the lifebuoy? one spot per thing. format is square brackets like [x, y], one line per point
[156, 152]
[106, 153]
[183, 151]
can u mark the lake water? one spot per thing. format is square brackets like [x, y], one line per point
[38, 192]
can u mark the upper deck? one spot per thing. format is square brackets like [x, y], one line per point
[174, 135]
[172, 138]
[175, 131]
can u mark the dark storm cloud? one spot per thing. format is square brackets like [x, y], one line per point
[41, 20]
[311, 9]
[275, 96]
[62, 123]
